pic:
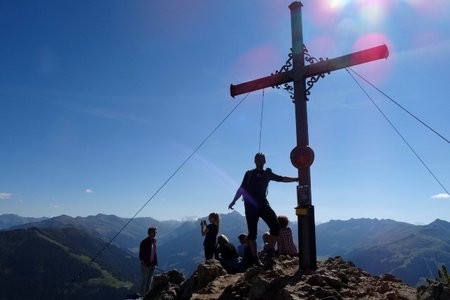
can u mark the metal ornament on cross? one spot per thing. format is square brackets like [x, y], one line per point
[302, 156]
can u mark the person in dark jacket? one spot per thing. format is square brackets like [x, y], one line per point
[149, 260]
[227, 254]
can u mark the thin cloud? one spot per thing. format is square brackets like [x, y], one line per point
[5, 196]
[425, 51]
[441, 196]
[112, 115]
[88, 191]
[73, 102]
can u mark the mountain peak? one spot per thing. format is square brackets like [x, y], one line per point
[334, 278]
[441, 222]
[438, 225]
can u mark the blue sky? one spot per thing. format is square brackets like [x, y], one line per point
[101, 101]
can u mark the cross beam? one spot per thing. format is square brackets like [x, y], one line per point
[315, 69]
[302, 155]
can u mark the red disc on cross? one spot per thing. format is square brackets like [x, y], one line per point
[302, 157]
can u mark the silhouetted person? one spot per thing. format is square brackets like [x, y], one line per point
[210, 231]
[245, 254]
[254, 191]
[247, 259]
[149, 260]
[266, 240]
[286, 244]
[242, 244]
[227, 254]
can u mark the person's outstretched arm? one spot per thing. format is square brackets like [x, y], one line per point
[236, 197]
[203, 228]
[290, 179]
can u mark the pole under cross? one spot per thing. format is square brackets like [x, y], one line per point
[302, 155]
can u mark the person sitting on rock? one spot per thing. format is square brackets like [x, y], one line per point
[247, 259]
[242, 244]
[227, 254]
[245, 253]
[286, 244]
[266, 248]
[265, 238]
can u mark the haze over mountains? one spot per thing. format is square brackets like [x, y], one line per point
[410, 252]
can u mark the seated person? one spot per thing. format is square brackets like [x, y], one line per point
[242, 244]
[247, 260]
[286, 244]
[227, 254]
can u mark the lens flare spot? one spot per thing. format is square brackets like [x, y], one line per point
[379, 70]
[338, 4]
[257, 62]
[374, 11]
[323, 14]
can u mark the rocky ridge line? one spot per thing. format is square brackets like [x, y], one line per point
[334, 278]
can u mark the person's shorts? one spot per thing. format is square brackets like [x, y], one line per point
[264, 212]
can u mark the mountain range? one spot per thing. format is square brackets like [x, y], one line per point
[410, 252]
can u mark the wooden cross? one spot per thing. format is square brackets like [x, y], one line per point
[302, 155]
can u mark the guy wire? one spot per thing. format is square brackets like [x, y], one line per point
[398, 132]
[156, 192]
[396, 103]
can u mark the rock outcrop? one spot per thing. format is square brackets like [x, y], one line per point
[333, 279]
[433, 291]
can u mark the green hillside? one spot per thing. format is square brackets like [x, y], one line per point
[41, 263]
[410, 252]
[413, 258]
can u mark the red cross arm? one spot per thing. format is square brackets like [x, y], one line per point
[355, 58]
[321, 67]
[261, 83]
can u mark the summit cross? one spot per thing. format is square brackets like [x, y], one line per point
[302, 156]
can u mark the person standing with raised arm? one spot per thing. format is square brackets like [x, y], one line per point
[210, 232]
[254, 191]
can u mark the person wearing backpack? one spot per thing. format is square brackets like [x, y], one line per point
[253, 189]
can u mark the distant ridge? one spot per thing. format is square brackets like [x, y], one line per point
[107, 227]
[410, 252]
[337, 236]
[9, 220]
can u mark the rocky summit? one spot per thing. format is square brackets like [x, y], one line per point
[334, 278]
